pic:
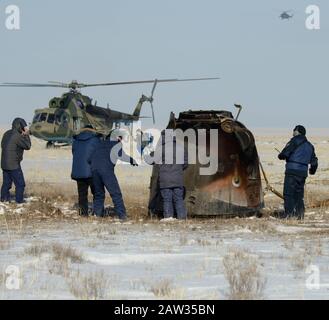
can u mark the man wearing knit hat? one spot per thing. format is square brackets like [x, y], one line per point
[300, 160]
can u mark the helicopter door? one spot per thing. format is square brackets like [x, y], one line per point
[62, 125]
[76, 124]
[64, 120]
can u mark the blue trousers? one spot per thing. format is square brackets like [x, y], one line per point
[173, 199]
[10, 177]
[109, 181]
[294, 196]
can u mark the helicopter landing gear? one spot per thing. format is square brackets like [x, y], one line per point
[50, 145]
[56, 145]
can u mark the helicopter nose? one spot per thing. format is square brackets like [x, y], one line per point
[34, 128]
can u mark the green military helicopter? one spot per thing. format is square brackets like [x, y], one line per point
[68, 114]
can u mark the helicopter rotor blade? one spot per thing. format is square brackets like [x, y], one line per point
[76, 85]
[65, 85]
[154, 87]
[31, 85]
[142, 81]
[153, 114]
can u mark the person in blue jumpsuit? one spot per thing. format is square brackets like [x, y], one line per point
[301, 159]
[83, 147]
[103, 163]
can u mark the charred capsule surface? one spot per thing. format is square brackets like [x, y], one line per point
[235, 188]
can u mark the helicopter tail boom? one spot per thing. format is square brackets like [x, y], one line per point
[143, 99]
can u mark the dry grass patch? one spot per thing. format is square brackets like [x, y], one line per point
[66, 253]
[314, 202]
[136, 208]
[314, 248]
[63, 257]
[102, 230]
[162, 288]
[320, 232]
[59, 252]
[178, 294]
[244, 276]
[2, 277]
[261, 225]
[44, 208]
[60, 268]
[183, 241]
[4, 244]
[203, 242]
[42, 205]
[94, 286]
[53, 192]
[165, 289]
[37, 250]
[300, 261]
[306, 254]
[288, 243]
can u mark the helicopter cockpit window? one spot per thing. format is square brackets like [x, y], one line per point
[43, 117]
[51, 118]
[36, 118]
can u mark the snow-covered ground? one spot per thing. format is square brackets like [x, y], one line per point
[136, 260]
[47, 252]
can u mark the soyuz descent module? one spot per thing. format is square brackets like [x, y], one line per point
[236, 187]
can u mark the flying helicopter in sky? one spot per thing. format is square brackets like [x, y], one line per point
[286, 16]
[67, 115]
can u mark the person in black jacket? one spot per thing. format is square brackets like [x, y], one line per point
[173, 162]
[300, 159]
[83, 147]
[13, 144]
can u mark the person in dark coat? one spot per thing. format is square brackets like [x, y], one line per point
[171, 175]
[84, 145]
[301, 159]
[103, 163]
[14, 143]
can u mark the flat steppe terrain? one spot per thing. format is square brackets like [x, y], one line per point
[58, 255]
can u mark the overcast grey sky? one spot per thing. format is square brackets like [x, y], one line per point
[278, 70]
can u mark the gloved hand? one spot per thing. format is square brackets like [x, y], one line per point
[312, 171]
[281, 156]
[133, 163]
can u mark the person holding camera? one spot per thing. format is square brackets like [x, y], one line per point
[14, 143]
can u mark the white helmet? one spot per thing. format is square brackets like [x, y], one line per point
[119, 133]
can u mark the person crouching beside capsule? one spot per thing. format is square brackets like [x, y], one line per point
[300, 159]
[103, 163]
[13, 145]
[83, 147]
[171, 175]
